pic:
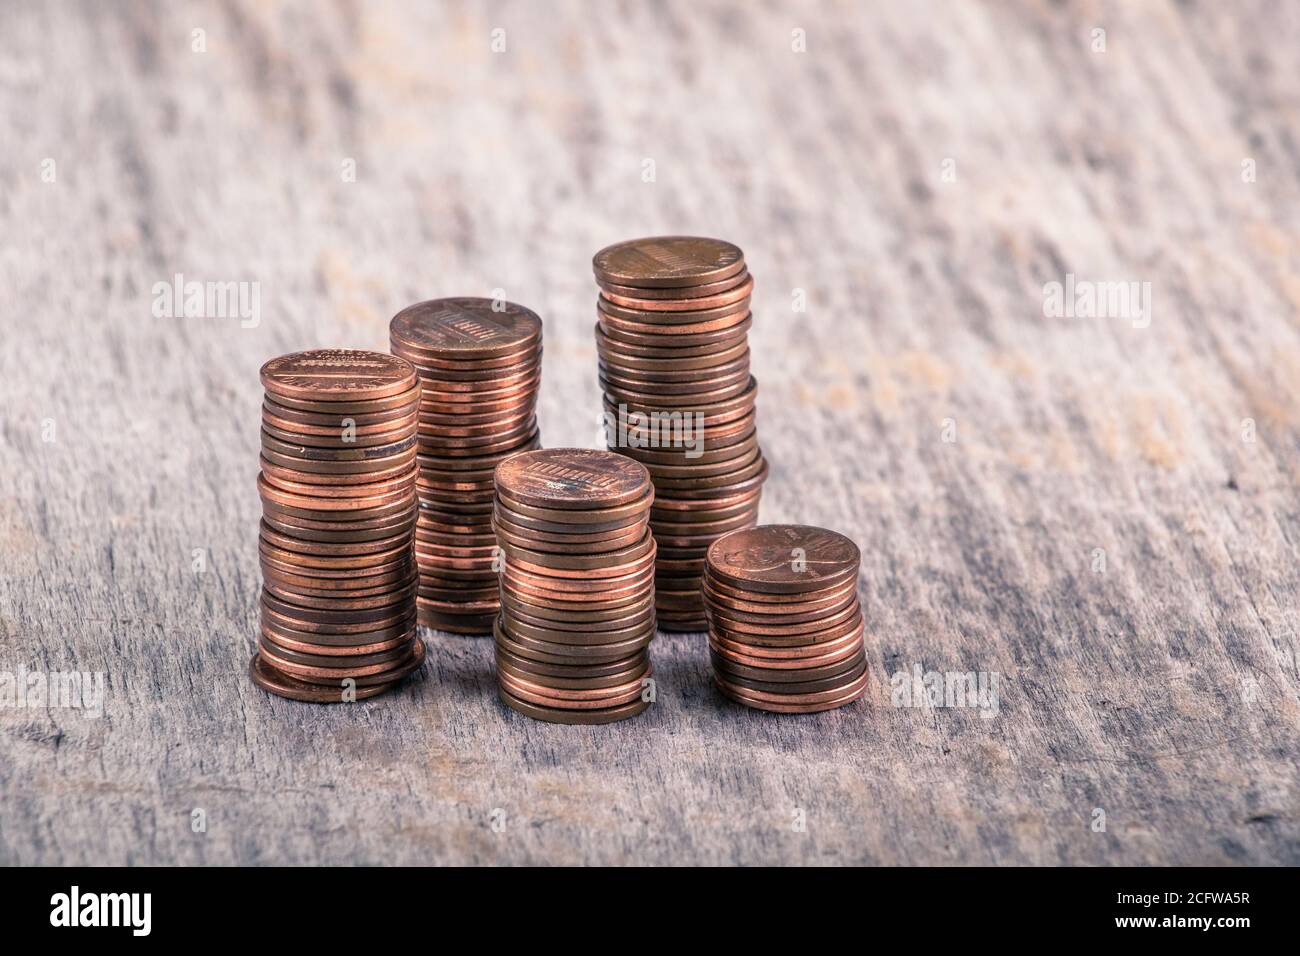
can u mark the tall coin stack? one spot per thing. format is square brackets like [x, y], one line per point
[577, 586]
[338, 510]
[479, 364]
[673, 320]
[785, 626]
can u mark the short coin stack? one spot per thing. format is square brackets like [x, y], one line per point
[672, 334]
[785, 626]
[338, 509]
[577, 586]
[479, 363]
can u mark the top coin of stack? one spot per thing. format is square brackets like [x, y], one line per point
[785, 625]
[479, 365]
[338, 509]
[673, 319]
[577, 589]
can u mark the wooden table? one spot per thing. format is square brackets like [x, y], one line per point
[1099, 509]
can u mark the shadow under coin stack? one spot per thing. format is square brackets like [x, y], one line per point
[674, 366]
[785, 626]
[577, 587]
[338, 509]
[479, 374]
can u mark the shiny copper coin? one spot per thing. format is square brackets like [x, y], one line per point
[516, 612]
[527, 646]
[579, 523]
[367, 586]
[819, 611]
[283, 663]
[356, 638]
[352, 451]
[783, 558]
[593, 657]
[831, 657]
[285, 542]
[387, 678]
[291, 618]
[376, 494]
[331, 650]
[653, 346]
[572, 479]
[341, 431]
[597, 684]
[730, 595]
[725, 320]
[341, 600]
[357, 563]
[340, 611]
[668, 262]
[269, 679]
[350, 406]
[775, 679]
[656, 375]
[616, 671]
[308, 533]
[578, 564]
[294, 474]
[795, 703]
[334, 420]
[346, 374]
[584, 700]
[794, 645]
[693, 291]
[433, 374]
[310, 659]
[564, 615]
[465, 328]
[677, 311]
[517, 628]
[722, 619]
[369, 676]
[538, 538]
[557, 716]
[789, 645]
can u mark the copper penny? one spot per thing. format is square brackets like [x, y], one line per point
[337, 374]
[668, 262]
[693, 291]
[465, 327]
[572, 479]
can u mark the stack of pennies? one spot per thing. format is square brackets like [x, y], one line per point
[479, 362]
[785, 626]
[338, 511]
[678, 397]
[577, 585]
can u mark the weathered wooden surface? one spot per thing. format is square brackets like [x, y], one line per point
[1161, 689]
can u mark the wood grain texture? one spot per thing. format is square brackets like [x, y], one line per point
[1163, 689]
